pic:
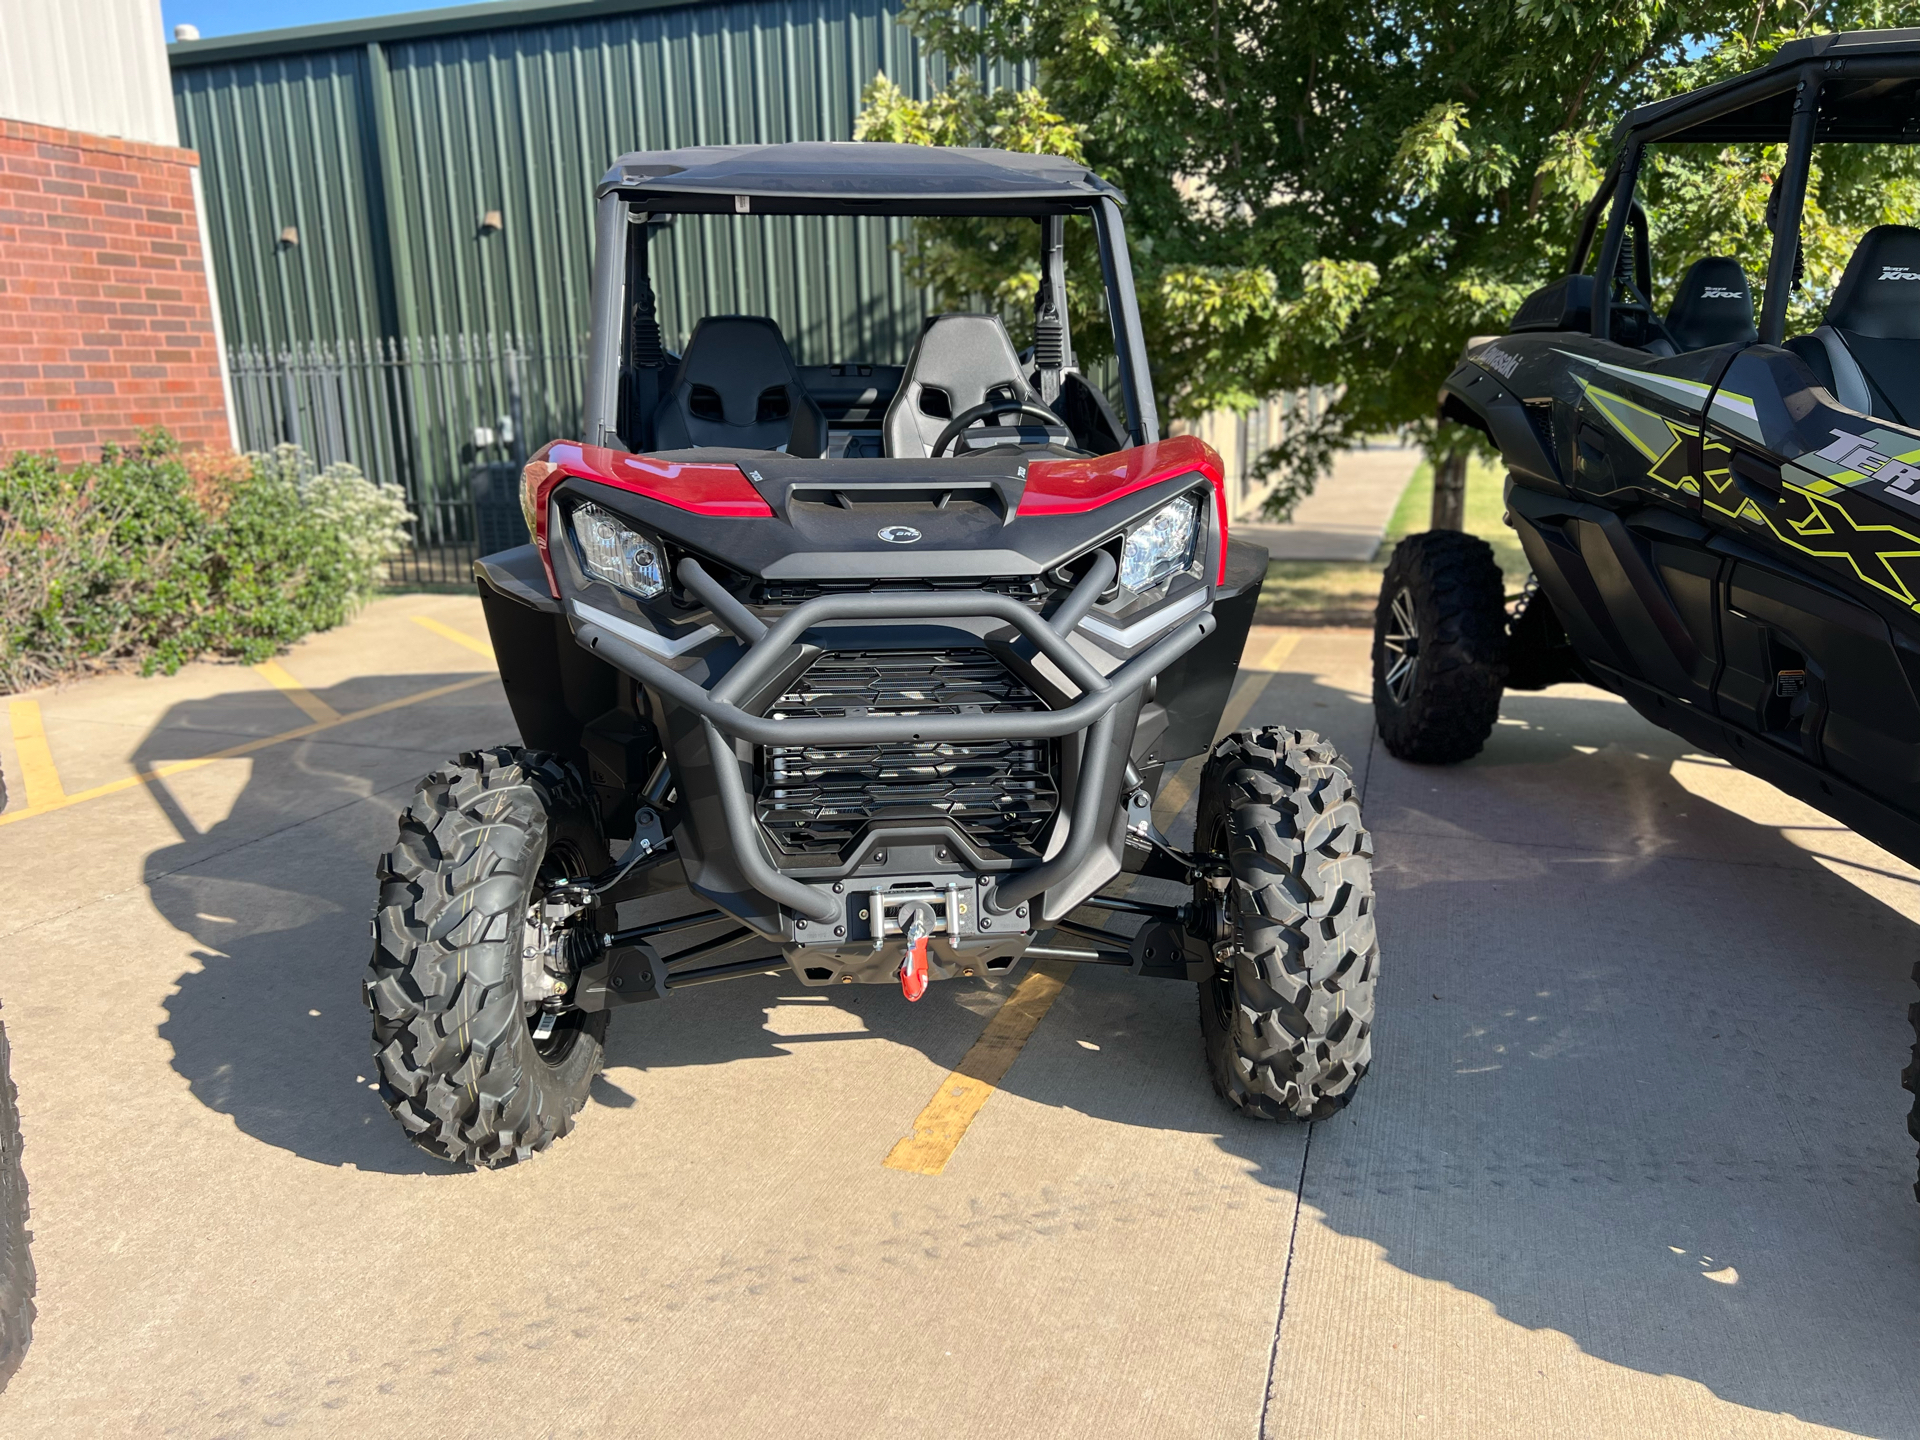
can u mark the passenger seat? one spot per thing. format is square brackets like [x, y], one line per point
[1867, 353]
[737, 388]
[1712, 306]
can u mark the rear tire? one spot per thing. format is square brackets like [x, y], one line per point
[16, 1260]
[1287, 1019]
[1439, 648]
[457, 1059]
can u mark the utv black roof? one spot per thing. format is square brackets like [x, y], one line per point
[1869, 93]
[856, 177]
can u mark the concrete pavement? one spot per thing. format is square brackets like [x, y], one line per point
[1631, 1160]
[1346, 516]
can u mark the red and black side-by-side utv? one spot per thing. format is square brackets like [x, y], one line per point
[868, 670]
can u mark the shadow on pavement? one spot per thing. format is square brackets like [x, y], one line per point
[270, 1028]
[1626, 1038]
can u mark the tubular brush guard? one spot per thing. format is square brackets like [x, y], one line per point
[769, 648]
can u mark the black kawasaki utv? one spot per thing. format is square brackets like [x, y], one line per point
[867, 669]
[1723, 522]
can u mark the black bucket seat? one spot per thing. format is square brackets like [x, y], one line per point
[1712, 306]
[738, 388]
[958, 362]
[1867, 351]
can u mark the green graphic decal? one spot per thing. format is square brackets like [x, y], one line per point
[1662, 441]
[1813, 515]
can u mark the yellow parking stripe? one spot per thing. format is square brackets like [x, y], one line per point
[447, 632]
[177, 767]
[1273, 654]
[945, 1120]
[37, 771]
[275, 675]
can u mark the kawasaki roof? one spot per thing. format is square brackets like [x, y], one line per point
[855, 177]
[1869, 93]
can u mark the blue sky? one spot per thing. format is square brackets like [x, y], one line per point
[236, 17]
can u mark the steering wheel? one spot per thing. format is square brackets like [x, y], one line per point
[980, 412]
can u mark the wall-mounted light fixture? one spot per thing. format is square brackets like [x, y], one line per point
[491, 223]
[289, 237]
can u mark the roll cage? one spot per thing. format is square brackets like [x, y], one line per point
[853, 179]
[1859, 88]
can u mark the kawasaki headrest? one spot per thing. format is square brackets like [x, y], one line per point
[1879, 296]
[1713, 305]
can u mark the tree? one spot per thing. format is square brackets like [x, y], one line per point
[1337, 193]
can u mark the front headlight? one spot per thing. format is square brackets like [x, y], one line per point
[611, 550]
[1162, 546]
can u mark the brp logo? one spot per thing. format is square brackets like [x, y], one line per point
[899, 534]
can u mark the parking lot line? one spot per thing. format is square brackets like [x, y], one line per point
[275, 674]
[178, 767]
[459, 637]
[37, 770]
[942, 1124]
[1273, 654]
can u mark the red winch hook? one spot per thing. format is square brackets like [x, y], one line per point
[913, 965]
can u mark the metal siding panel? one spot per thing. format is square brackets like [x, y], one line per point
[524, 120]
[282, 142]
[97, 66]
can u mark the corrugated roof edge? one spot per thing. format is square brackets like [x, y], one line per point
[414, 25]
[1835, 45]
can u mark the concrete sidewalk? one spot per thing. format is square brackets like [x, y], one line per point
[1631, 1160]
[1346, 516]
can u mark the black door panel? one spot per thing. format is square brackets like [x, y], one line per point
[1819, 674]
[1688, 575]
[1562, 571]
[1614, 576]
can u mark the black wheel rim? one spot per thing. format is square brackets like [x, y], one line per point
[1400, 646]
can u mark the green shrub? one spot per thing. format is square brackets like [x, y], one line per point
[153, 556]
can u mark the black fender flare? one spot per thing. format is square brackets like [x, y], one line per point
[1473, 396]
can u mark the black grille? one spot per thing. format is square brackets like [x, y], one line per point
[792, 592]
[1000, 793]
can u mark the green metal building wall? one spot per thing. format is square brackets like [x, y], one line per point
[382, 144]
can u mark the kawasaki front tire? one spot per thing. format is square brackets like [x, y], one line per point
[1439, 648]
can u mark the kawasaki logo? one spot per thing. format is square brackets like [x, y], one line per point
[1499, 361]
[1720, 292]
[1898, 272]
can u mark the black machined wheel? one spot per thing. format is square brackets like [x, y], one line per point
[1400, 642]
[1439, 648]
[1287, 1019]
[474, 1068]
[16, 1261]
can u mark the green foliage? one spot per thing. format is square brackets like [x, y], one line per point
[154, 557]
[1341, 193]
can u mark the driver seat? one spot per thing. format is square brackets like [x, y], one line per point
[1867, 351]
[958, 362]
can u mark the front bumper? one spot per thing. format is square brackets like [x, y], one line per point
[835, 919]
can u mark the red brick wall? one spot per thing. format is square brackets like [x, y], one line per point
[106, 317]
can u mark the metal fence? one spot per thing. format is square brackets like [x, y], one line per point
[449, 419]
